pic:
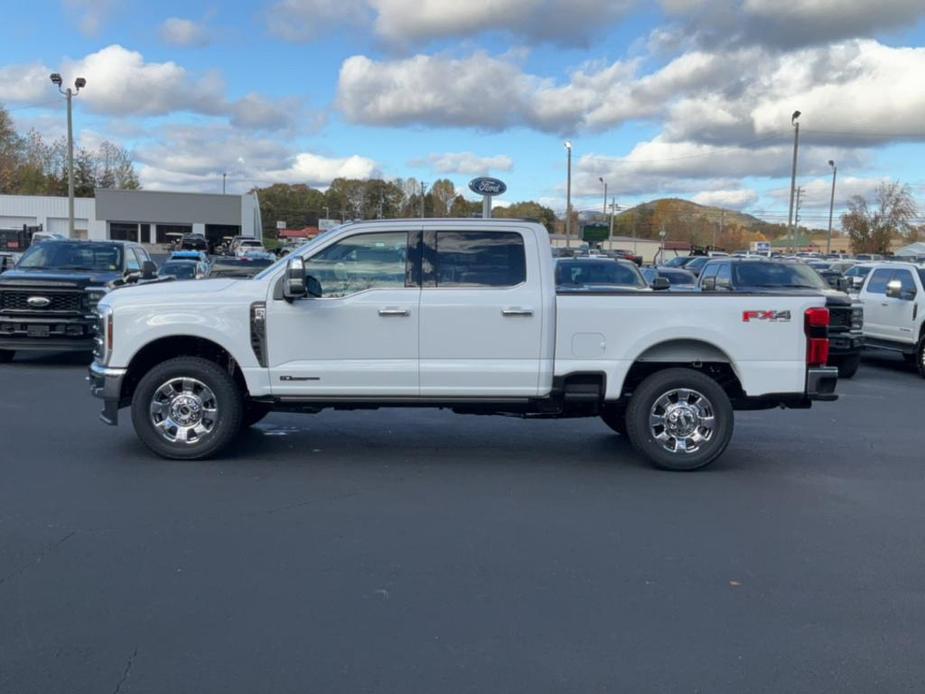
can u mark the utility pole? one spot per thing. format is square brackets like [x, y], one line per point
[793, 173]
[828, 245]
[722, 226]
[423, 188]
[224, 174]
[601, 179]
[69, 94]
[613, 209]
[568, 198]
[796, 216]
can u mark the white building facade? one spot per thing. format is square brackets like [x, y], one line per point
[149, 217]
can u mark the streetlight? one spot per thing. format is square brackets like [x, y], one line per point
[568, 198]
[79, 84]
[601, 179]
[828, 246]
[793, 173]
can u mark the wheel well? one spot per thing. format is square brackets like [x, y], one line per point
[719, 371]
[165, 348]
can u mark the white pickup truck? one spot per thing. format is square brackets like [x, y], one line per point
[454, 313]
[893, 295]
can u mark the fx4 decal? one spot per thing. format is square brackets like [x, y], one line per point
[776, 316]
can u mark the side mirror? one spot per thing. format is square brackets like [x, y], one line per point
[894, 289]
[660, 284]
[148, 270]
[841, 284]
[708, 284]
[294, 286]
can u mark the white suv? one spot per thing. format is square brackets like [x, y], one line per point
[894, 310]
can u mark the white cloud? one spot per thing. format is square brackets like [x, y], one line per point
[306, 20]
[735, 199]
[90, 14]
[465, 163]
[195, 157]
[789, 25]
[184, 32]
[733, 96]
[570, 22]
[320, 171]
[408, 22]
[122, 84]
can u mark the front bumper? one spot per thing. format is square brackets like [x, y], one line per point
[58, 333]
[845, 344]
[821, 382]
[106, 384]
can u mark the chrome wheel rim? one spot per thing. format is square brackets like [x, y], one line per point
[184, 410]
[682, 421]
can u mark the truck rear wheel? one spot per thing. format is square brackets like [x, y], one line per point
[6, 356]
[920, 358]
[187, 409]
[680, 419]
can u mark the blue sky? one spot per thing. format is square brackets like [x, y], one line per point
[689, 98]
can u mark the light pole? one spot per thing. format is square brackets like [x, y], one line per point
[601, 179]
[423, 199]
[613, 209]
[568, 197]
[828, 246]
[793, 172]
[224, 176]
[69, 94]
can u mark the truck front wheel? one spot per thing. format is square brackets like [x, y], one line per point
[6, 356]
[680, 419]
[187, 409]
[848, 365]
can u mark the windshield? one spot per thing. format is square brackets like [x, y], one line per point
[789, 275]
[182, 271]
[583, 272]
[677, 276]
[73, 255]
[858, 271]
[680, 261]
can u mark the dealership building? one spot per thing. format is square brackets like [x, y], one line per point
[145, 216]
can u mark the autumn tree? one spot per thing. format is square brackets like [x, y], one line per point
[871, 228]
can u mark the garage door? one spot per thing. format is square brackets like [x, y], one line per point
[9, 222]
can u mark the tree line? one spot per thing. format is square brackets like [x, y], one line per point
[300, 205]
[31, 165]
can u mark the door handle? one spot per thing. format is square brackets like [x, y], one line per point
[394, 312]
[516, 311]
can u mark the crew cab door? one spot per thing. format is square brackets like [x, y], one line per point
[873, 296]
[481, 313]
[898, 313]
[360, 338]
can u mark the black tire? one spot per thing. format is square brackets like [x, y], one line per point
[920, 357]
[6, 356]
[253, 413]
[225, 396]
[614, 416]
[712, 399]
[848, 365]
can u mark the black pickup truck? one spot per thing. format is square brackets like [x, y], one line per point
[771, 276]
[48, 300]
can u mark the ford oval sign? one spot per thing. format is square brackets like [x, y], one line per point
[487, 186]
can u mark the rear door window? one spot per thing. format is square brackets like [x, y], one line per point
[478, 259]
[724, 276]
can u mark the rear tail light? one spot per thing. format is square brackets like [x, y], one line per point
[816, 326]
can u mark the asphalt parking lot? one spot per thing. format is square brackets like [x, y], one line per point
[418, 551]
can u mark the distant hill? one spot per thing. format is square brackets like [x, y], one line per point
[685, 209]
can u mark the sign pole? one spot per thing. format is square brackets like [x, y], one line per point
[486, 207]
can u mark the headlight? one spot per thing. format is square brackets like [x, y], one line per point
[102, 343]
[94, 294]
[857, 318]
